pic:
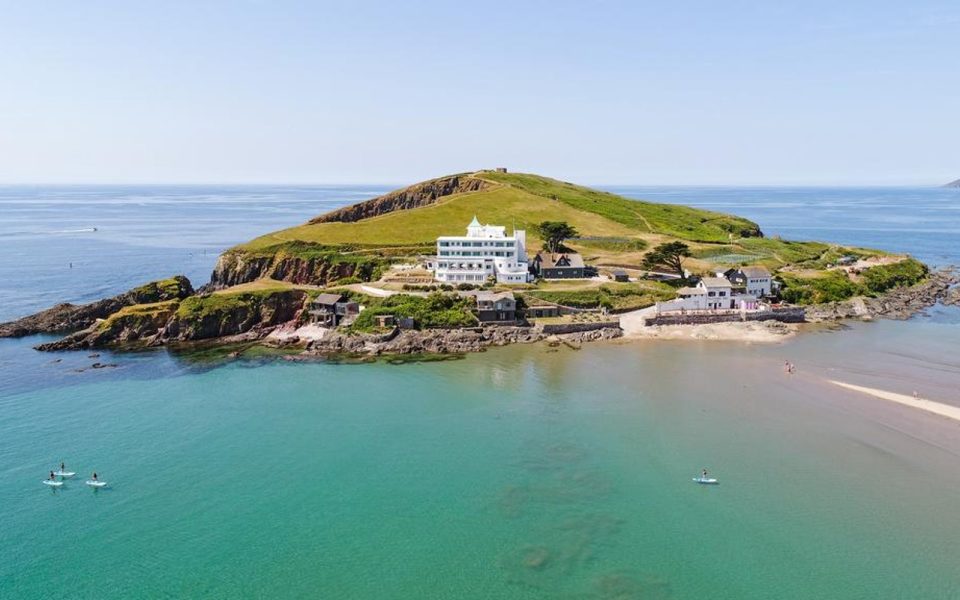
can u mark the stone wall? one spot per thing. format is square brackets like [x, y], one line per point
[786, 315]
[561, 328]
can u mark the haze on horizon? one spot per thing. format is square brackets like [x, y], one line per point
[733, 93]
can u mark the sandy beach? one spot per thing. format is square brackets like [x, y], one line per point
[938, 408]
[764, 332]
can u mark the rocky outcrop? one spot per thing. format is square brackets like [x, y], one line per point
[200, 319]
[195, 318]
[126, 328]
[415, 196]
[234, 268]
[898, 303]
[952, 298]
[237, 267]
[71, 317]
[445, 341]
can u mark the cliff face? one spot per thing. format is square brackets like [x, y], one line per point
[71, 317]
[200, 318]
[236, 267]
[421, 194]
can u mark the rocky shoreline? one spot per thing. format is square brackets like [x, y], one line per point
[898, 303]
[448, 341]
[170, 313]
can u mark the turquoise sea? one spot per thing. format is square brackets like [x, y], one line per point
[522, 472]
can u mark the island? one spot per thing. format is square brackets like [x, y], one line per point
[491, 257]
[953, 184]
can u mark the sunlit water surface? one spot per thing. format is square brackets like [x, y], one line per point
[523, 472]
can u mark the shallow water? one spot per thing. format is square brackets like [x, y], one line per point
[523, 472]
[518, 473]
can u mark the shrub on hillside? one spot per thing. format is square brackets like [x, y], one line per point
[831, 287]
[905, 273]
[436, 310]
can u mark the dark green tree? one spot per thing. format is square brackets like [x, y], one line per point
[554, 233]
[667, 256]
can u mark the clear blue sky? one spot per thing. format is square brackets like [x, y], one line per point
[693, 92]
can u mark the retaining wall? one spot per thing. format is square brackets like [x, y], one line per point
[559, 328]
[786, 315]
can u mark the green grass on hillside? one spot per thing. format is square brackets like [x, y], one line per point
[505, 206]
[679, 221]
[153, 310]
[614, 296]
[613, 244]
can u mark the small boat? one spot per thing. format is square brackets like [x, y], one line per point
[96, 484]
[65, 474]
[706, 480]
[52, 483]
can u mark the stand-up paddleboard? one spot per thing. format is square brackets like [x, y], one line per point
[96, 484]
[52, 483]
[65, 474]
[706, 480]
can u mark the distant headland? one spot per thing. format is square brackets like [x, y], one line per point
[490, 257]
[953, 184]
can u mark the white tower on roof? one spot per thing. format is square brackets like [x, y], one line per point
[475, 229]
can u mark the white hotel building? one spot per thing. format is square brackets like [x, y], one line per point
[486, 250]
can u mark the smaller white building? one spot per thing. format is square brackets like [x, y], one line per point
[710, 294]
[485, 251]
[756, 281]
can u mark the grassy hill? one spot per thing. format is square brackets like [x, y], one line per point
[522, 200]
[359, 241]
